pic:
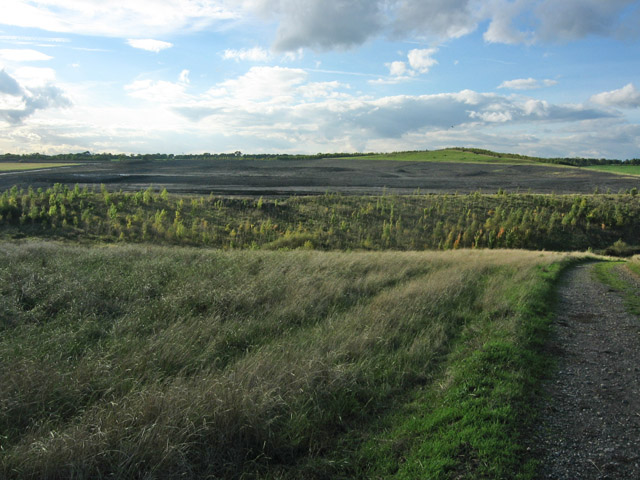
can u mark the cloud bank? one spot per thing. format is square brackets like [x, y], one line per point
[625, 97]
[338, 24]
[341, 24]
[282, 101]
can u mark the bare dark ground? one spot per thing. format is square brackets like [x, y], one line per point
[313, 177]
[591, 423]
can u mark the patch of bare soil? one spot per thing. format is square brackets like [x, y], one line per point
[314, 177]
[590, 426]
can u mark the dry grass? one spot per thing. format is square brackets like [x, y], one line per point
[151, 362]
[16, 166]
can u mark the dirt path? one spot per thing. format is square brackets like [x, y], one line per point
[590, 426]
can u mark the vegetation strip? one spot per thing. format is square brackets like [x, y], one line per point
[622, 169]
[326, 222]
[625, 278]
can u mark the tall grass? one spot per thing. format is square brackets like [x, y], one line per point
[150, 362]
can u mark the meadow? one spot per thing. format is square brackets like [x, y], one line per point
[147, 334]
[165, 362]
[17, 166]
[452, 155]
[619, 169]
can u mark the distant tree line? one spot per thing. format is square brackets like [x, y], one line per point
[121, 157]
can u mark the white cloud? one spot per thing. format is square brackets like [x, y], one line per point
[255, 54]
[34, 76]
[317, 90]
[397, 69]
[10, 103]
[157, 91]
[23, 55]
[26, 40]
[263, 83]
[118, 18]
[527, 84]
[625, 97]
[501, 28]
[149, 44]
[421, 60]
[293, 55]
[389, 80]
[184, 77]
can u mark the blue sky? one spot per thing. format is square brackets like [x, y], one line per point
[538, 77]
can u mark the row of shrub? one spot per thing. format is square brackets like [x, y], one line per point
[327, 222]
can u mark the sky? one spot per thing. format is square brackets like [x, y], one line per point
[535, 77]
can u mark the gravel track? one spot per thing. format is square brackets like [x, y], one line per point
[590, 425]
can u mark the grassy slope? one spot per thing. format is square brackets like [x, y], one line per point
[612, 274]
[160, 362]
[17, 166]
[619, 169]
[447, 155]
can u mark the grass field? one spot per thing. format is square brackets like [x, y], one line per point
[448, 155]
[619, 169]
[18, 166]
[155, 362]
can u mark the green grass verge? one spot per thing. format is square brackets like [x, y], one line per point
[610, 274]
[619, 169]
[634, 264]
[473, 423]
[17, 166]
[448, 155]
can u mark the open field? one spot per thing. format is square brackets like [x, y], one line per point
[362, 176]
[619, 169]
[155, 362]
[266, 358]
[19, 166]
[449, 156]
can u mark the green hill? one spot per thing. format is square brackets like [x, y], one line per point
[453, 155]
